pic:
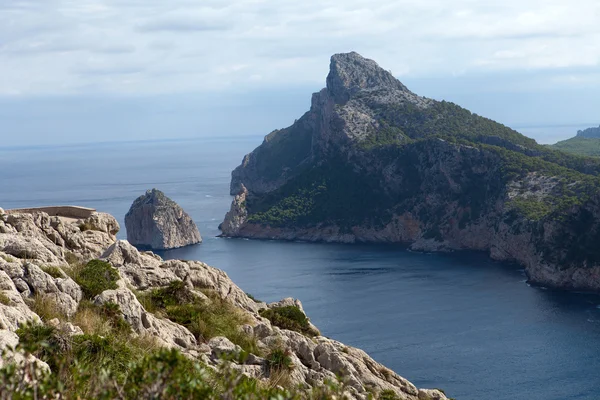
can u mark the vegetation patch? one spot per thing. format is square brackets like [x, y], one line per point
[105, 319]
[4, 299]
[45, 306]
[54, 272]
[580, 146]
[388, 395]
[532, 209]
[254, 299]
[204, 318]
[289, 317]
[95, 277]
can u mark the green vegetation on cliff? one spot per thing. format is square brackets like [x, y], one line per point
[580, 146]
[109, 367]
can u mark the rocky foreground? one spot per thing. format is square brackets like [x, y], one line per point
[40, 254]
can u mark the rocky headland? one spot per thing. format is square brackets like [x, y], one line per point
[372, 161]
[155, 222]
[83, 315]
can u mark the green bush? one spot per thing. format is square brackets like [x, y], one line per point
[204, 318]
[95, 277]
[102, 352]
[279, 359]
[289, 317]
[388, 395]
[4, 299]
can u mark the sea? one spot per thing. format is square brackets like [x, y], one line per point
[459, 322]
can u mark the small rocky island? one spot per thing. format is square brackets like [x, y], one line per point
[156, 222]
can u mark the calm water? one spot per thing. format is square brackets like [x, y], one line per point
[459, 322]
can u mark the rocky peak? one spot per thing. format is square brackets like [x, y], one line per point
[155, 221]
[589, 133]
[154, 197]
[351, 72]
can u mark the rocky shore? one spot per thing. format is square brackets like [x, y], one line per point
[38, 257]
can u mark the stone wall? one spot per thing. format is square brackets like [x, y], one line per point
[61, 211]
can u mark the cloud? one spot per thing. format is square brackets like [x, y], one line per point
[184, 24]
[70, 47]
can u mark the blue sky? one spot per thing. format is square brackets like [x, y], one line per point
[101, 70]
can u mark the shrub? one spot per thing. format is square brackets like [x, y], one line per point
[388, 395]
[95, 277]
[279, 359]
[54, 272]
[44, 342]
[112, 313]
[253, 298]
[4, 299]
[289, 317]
[103, 352]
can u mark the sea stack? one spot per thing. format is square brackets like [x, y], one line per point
[156, 222]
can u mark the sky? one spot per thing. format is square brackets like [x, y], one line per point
[76, 71]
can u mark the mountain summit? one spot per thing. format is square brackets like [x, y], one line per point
[351, 72]
[372, 161]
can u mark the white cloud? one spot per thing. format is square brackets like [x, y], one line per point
[122, 46]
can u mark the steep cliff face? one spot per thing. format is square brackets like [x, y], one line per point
[386, 165]
[156, 222]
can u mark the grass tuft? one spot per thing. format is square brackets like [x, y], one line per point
[54, 272]
[45, 306]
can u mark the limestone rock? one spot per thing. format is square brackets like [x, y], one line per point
[16, 312]
[142, 322]
[143, 271]
[236, 216]
[221, 346]
[431, 394]
[154, 221]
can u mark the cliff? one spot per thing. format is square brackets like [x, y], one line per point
[83, 315]
[589, 133]
[373, 162]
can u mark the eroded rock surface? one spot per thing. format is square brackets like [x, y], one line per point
[156, 222]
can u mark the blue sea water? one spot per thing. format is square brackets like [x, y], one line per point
[459, 322]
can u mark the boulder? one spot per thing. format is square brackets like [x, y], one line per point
[156, 222]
